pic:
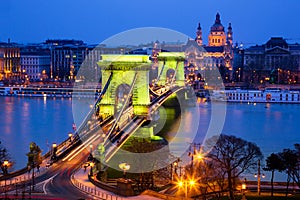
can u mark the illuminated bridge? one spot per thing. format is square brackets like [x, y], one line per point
[133, 90]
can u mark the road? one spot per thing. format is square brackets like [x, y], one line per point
[57, 181]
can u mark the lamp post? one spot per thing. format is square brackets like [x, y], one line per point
[185, 184]
[244, 187]
[125, 167]
[91, 148]
[70, 137]
[90, 157]
[5, 165]
[91, 171]
[54, 150]
[174, 167]
[259, 176]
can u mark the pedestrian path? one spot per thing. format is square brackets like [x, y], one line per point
[80, 180]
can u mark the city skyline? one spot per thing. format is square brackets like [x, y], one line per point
[252, 22]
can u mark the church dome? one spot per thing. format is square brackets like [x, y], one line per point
[217, 25]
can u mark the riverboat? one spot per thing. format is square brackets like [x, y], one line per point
[49, 92]
[268, 95]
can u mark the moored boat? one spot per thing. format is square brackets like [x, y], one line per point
[49, 92]
[268, 95]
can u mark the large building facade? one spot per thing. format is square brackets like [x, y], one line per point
[274, 62]
[217, 54]
[35, 63]
[9, 61]
[66, 58]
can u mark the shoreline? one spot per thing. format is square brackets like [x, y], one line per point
[55, 92]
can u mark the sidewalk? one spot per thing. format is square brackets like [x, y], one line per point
[26, 176]
[80, 180]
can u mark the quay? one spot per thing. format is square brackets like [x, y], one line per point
[49, 92]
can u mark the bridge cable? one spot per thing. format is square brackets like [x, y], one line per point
[123, 108]
[160, 73]
[173, 78]
[90, 113]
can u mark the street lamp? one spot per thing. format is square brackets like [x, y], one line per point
[90, 157]
[244, 186]
[54, 150]
[91, 165]
[175, 165]
[70, 137]
[258, 176]
[5, 165]
[199, 156]
[125, 167]
[185, 184]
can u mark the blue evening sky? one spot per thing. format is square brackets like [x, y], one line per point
[253, 21]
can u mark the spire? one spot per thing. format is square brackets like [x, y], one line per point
[199, 26]
[229, 27]
[199, 35]
[229, 34]
[218, 20]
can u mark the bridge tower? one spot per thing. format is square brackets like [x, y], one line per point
[173, 61]
[132, 70]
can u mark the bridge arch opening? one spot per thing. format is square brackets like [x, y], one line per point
[122, 93]
[170, 75]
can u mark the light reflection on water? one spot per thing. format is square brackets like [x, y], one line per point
[272, 127]
[23, 120]
[26, 120]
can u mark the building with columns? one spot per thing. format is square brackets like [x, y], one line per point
[276, 61]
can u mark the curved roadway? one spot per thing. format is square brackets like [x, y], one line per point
[57, 181]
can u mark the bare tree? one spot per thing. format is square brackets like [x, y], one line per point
[233, 156]
[212, 178]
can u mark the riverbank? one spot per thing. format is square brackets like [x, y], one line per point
[49, 92]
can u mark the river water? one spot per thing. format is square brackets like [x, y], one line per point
[44, 121]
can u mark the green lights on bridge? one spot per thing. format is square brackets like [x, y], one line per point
[123, 68]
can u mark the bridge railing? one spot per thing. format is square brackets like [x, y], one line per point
[19, 181]
[94, 191]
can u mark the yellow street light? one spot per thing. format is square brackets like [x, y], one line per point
[180, 183]
[192, 182]
[91, 164]
[125, 167]
[5, 164]
[70, 137]
[199, 156]
[244, 187]
[186, 184]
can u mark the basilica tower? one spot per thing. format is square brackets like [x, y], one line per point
[217, 36]
[199, 35]
[229, 34]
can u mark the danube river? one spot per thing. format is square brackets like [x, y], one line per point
[272, 127]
